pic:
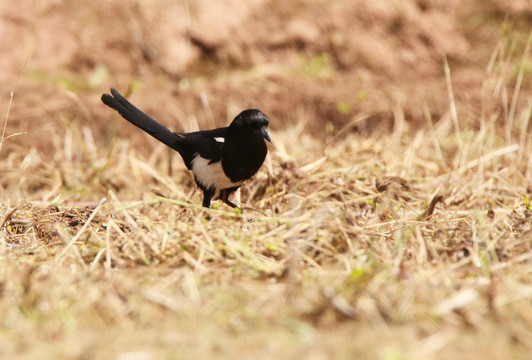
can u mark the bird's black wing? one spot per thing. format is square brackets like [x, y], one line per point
[209, 144]
[135, 116]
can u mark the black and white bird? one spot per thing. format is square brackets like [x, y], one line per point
[220, 159]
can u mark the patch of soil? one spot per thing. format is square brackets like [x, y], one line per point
[195, 63]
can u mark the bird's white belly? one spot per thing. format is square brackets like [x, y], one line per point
[211, 175]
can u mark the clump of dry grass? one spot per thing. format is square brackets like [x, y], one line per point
[413, 244]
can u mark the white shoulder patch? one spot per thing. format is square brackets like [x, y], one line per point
[219, 139]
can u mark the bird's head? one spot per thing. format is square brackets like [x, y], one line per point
[254, 121]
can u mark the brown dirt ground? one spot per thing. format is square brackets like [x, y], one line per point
[198, 61]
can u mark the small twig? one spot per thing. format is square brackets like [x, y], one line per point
[81, 231]
[7, 117]
[487, 157]
[3, 236]
[430, 209]
[452, 103]
[61, 233]
[8, 215]
[354, 122]
[96, 259]
[517, 87]
[133, 223]
[339, 303]
[108, 245]
[11, 94]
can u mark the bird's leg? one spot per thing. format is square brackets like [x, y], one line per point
[207, 196]
[224, 196]
[230, 203]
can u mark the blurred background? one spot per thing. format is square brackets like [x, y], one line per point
[391, 219]
[320, 63]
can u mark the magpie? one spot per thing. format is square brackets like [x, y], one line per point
[221, 159]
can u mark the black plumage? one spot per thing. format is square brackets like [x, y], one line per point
[220, 159]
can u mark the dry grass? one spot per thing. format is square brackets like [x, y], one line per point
[414, 244]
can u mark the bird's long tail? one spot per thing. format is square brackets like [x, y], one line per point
[135, 116]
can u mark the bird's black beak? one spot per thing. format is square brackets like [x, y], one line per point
[265, 133]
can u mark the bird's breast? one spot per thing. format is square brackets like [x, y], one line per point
[211, 175]
[242, 160]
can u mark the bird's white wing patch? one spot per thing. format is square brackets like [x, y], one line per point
[219, 139]
[211, 175]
